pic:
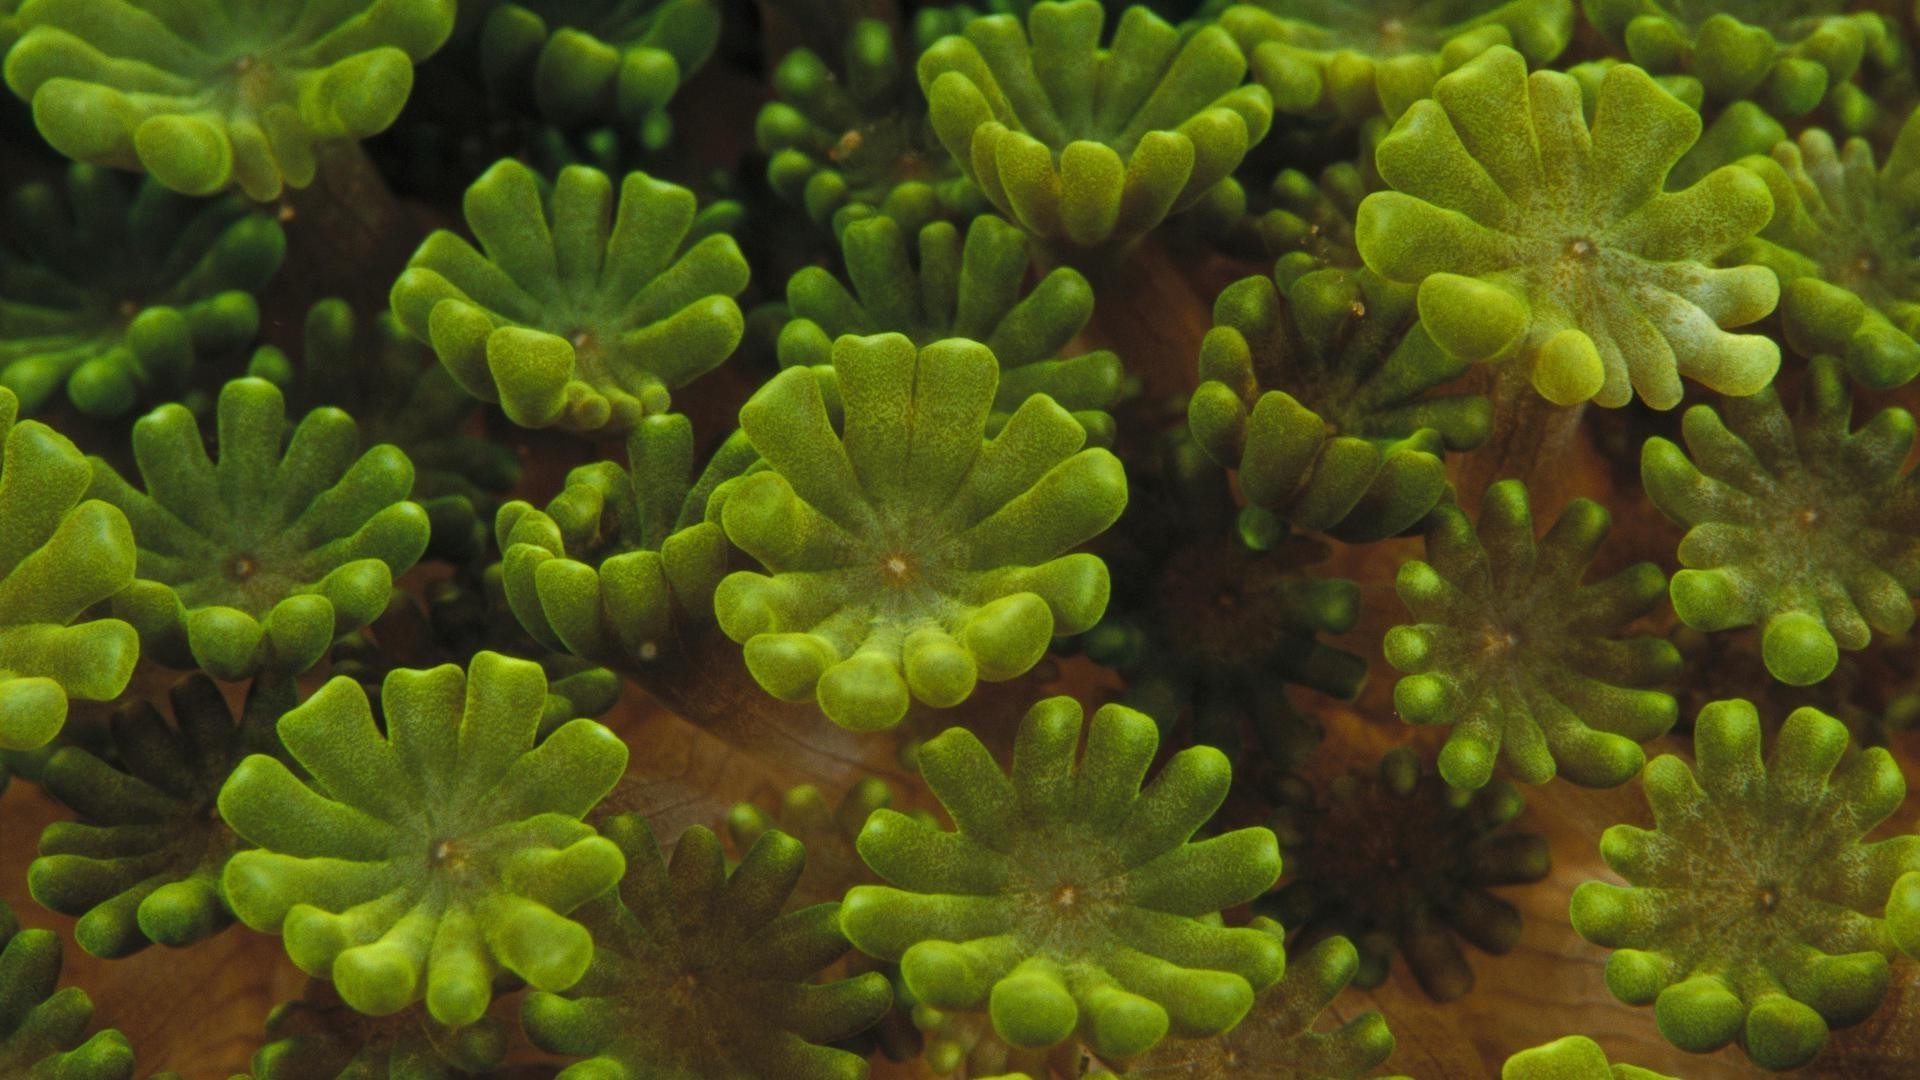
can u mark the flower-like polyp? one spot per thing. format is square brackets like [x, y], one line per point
[373, 370]
[426, 860]
[112, 288]
[1314, 388]
[911, 557]
[574, 312]
[321, 1037]
[621, 557]
[1396, 860]
[1520, 657]
[696, 973]
[1903, 913]
[43, 1030]
[1574, 1057]
[258, 561]
[1292, 215]
[829, 830]
[959, 287]
[1069, 899]
[61, 554]
[1788, 55]
[1087, 147]
[1841, 241]
[849, 144]
[143, 865]
[1752, 909]
[1539, 240]
[215, 93]
[1796, 523]
[600, 60]
[1282, 1032]
[1348, 60]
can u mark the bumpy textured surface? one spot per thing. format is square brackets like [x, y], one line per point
[1798, 524]
[204, 94]
[1574, 1057]
[143, 863]
[1314, 388]
[1844, 241]
[1753, 908]
[109, 290]
[41, 1029]
[1068, 900]
[1215, 615]
[599, 60]
[854, 141]
[622, 557]
[697, 974]
[374, 371]
[1087, 147]
[1903, 913]
[574, 312]
[1788, 55]
[59, 557]
[320, 1038]
[1352, 59]
[911, 557]
[1543, 241]
[1280, 1034]
[1520, 657]
[428, 860]
[1395, 860]
[943, 286]
[258, 561]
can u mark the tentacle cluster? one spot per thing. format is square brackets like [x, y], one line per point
[43, 1030]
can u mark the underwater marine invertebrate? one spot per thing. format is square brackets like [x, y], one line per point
[943, 286]
[910, 557]
[109, 289]
[212, 93]
[1068, 899]
[1574, 1057]
[41, 1029]
[1089, 148]
[60, 556]
[696, 973]
[320, 1036]
[1752, 909]
[1395, 860]
[424, 861]
[1799, 524]
[1542, 241]
[1518, 655]
[258, 561]
[143, 866]
[576, 312]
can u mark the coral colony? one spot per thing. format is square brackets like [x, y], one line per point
[826, 539]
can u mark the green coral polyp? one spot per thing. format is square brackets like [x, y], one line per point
[1574, 1057]
[1541, 241]
[1314, 388]
[43, 1030]
[110, 290]
[857, 143]
[1520, 657]
[600, 59]
[1789, 55]
[257, 562]
[1798, 524]
[209, 94]
[621, 557]
[1352, 59]
[1845, 242]
[574, 312]
[143, 866]
[1068, 900]
[60, 556]
[325, 1038]
[912, 557]
[1090, 148]
[1752, 910]
[946, 286]
[698, 974]
[424, 861]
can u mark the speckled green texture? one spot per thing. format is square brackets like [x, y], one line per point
[43, 1030]
[1574, 1057]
